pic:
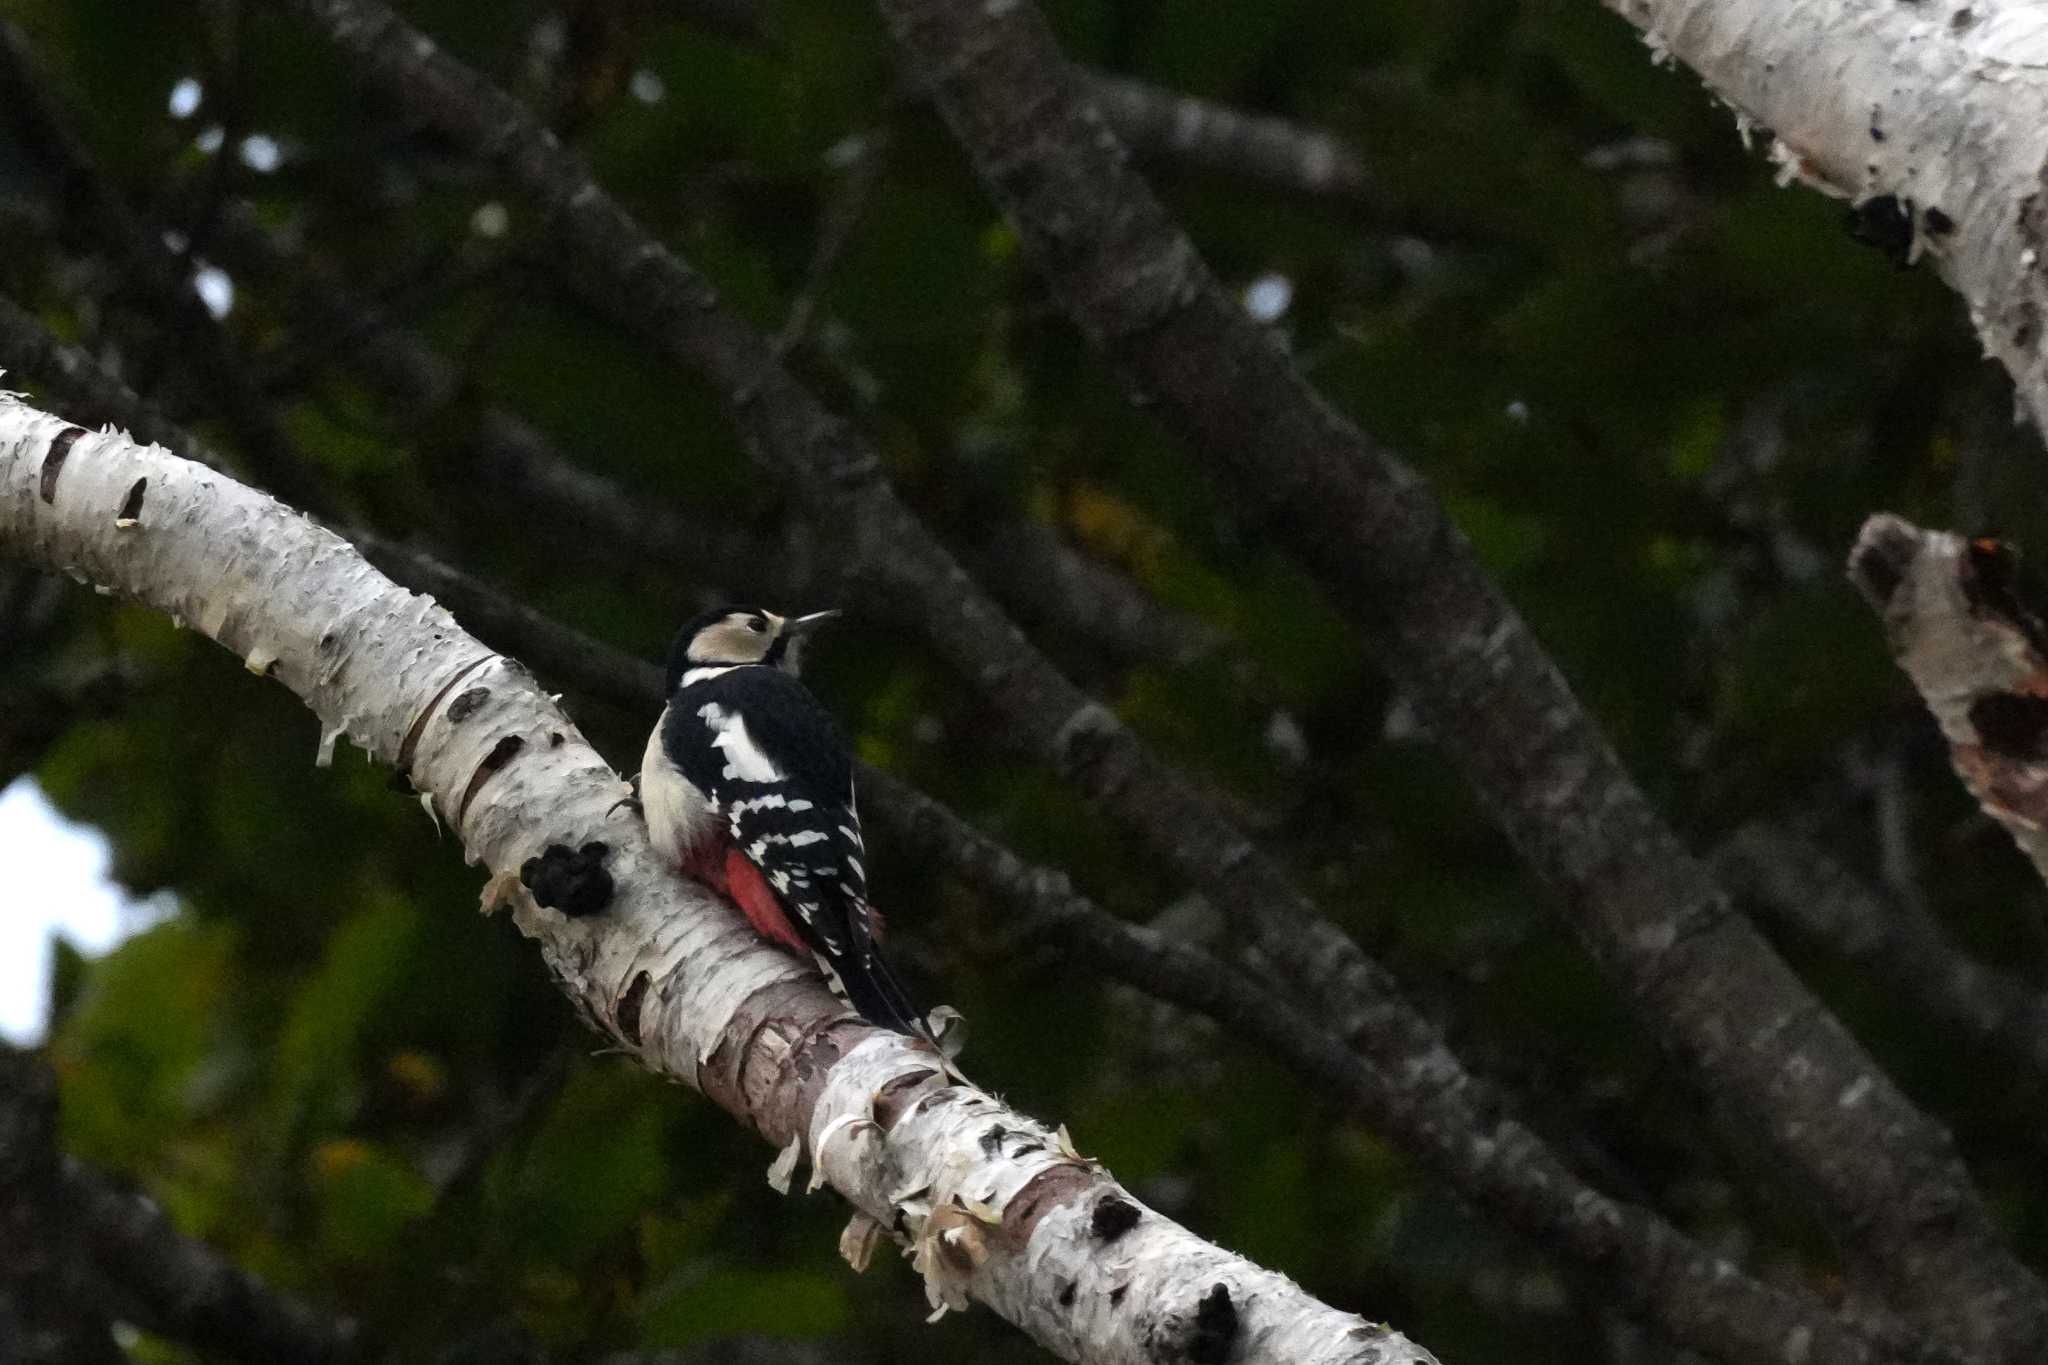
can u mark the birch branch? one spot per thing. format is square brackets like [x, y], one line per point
[1456, 1125]
[1886, 1176]
[839, 476]
[1931, 117]
[1977, 653]
[1450, 1121]
[995, 1205]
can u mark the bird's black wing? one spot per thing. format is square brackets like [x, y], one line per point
[778, 769]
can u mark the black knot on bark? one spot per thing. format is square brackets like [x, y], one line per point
[1885, 222]
[468, 704]
[2012, 724]
[573, 881]
[2000, 587]
[1215, 1328]
[1114, 1216]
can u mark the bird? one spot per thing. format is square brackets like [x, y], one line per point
[747, 787]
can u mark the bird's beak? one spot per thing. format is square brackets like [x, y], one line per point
[801, 626]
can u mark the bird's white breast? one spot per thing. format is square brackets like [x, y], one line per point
[678, 815]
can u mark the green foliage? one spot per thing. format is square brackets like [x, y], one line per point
[1657, 395]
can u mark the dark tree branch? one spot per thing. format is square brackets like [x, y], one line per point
[839, 478]
[71, 1232]
[1700, 975]
[1448, 1120]
[1167, 125]
[865, 157]
[52, 1309]
[29, 352]
[1027, 565]
[1196, 133]
[1825, 902]
[191, 1293]
[154, 270]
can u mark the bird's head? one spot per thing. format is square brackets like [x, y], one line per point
[728, 636]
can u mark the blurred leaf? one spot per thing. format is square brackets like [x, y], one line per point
[770, 1303]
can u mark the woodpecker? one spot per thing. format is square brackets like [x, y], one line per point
[747, 786]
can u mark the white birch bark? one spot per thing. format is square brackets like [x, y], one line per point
[1975, 654]
[1943, 103]
[994, 1206]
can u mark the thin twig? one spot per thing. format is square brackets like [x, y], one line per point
[1825, 902]
[860, 160]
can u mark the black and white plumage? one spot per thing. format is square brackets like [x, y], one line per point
[747, 784]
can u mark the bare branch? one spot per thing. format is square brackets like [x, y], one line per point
[1449, 1120]
[1371, 528]
[1458, 1127]
[1028, 566]
[675, 978]
[80, 1250]
[1827, 903]
[1210, 136]
[872, 534]
[1931, 120]
[187, 1291]
[51, 1309]
[1201, 134]
[29, 353]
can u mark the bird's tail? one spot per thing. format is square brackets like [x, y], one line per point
[880, 997]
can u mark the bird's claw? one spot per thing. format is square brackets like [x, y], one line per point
[630, 802]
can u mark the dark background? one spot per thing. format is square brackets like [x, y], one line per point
[1658, 392]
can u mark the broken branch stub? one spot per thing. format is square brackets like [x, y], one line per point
[1977, 652]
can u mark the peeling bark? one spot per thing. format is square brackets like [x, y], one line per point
[1978, 655]
[1931, 117]
[675, 978]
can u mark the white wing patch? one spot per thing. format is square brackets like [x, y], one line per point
[744, 759]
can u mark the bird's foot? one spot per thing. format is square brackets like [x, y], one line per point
[632, 801]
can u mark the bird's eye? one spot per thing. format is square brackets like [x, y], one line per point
[757, 625]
